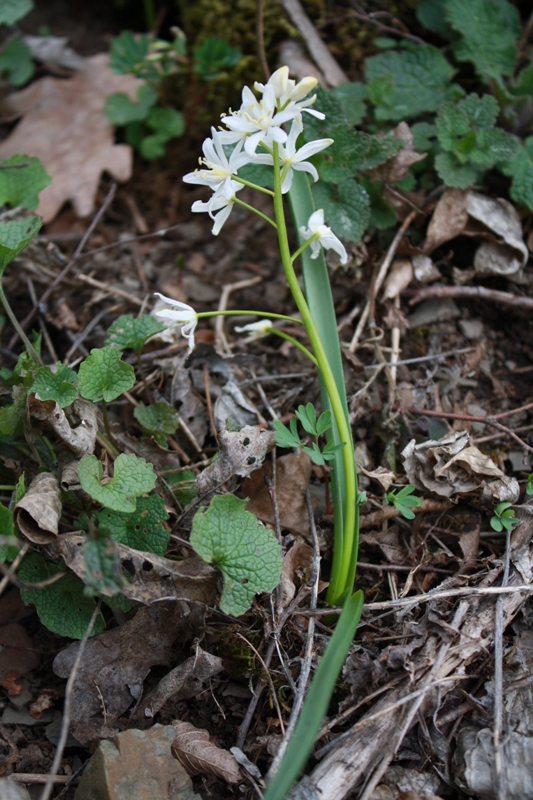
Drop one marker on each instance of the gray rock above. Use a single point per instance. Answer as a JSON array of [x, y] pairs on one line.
[[136, 765]]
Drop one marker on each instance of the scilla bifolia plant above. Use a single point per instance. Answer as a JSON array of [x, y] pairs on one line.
[[256, 135]]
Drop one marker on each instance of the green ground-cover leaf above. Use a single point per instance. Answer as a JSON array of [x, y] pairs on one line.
[[183, 484], [128, 52], [403, 84], [7, 528], [520, 169], [15, 235], [13, 10], [431, 14], [132, 477], [158, 420], [352, 97], [141, 529], [213, 56], [133, 332], [20, 185], [62, 606], [102, 564], [16, 60], [121, 109], [247, 553], [346, 209], [58, 385], [489, 31], [104, 376], [12, 415]]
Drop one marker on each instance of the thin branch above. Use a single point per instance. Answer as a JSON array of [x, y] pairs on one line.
[[474, 292]]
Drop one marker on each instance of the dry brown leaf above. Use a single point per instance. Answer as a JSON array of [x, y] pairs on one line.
[[297, 560], [185, 680], [64, 125], [151, 578], [448, 221], [500, 217], [116, 662], [293, 472], [397, 167], [37, 514], [199, 756], [398, 279], [240, 453]]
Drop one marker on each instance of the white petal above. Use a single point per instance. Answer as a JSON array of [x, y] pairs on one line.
[[316, 219], [221, 218], [304, 166], [312, 148]]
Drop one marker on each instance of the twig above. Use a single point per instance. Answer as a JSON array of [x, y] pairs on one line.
[[476, 292], [209, 402], [66, 707], [9, 572], [269, 680], [391, 512], [420, 359], [387, 261], [371, 20], [318, 50]]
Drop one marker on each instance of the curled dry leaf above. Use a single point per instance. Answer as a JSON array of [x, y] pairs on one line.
[[500, 217], [59, 112], [296, 564], [399, 278], [241, 452], [199, 756], [231, 403], [76, 441], [448, 221], [185, 680], [452, 466], [150, 578], [37, 514]]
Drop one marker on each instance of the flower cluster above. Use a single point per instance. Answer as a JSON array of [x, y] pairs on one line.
[[252, 132]]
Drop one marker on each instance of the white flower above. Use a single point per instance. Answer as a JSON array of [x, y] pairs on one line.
[[261, 328], [322, 235], [259, 121], [219, 169], [222, 201], [289, 94], [292, 159], [179, 314]]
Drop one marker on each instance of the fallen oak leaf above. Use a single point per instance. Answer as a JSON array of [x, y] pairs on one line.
[[65, 127], [199, 755]]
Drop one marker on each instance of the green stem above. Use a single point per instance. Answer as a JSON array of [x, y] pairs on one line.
[[252, 185], [342, 566], [255, 211], [247, 313], [303, 246], [14, 321], [296, 343]]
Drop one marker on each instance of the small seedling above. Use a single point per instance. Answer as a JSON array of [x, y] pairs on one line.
[[288, 437], [503, 518], [404, 500], [529, 485]]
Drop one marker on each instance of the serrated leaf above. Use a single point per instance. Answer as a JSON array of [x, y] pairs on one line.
[[103, 565], [430, 14], [17, 61], [346, 208], [12, 416], [132, 477], [62, 606], [158, 419], [493, 145], [213, 56], [133, 332], [20, 185], [406, 83], [13, 10], [457, 176], [247, 553], [520, 169], [58, 385], [104, 376], [120, 108], [351, 97], [15, 235], [141, 529], [489, 31]]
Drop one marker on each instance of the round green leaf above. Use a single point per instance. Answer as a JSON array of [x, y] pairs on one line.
[[104, 376]]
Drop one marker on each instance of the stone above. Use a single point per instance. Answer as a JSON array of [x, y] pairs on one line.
[[136, 765]]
